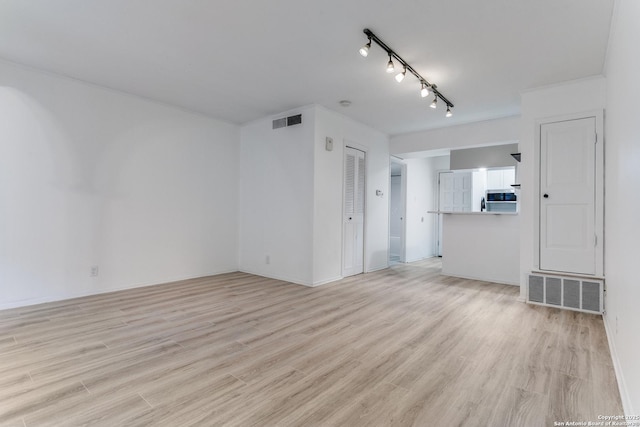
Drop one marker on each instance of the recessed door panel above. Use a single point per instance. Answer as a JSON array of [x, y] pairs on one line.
[[567, 227]]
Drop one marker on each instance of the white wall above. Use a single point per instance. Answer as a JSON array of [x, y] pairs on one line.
[[421, 198], [327, 189], [291, 196], [276, 198], [495, 156], [558, 100], [90, 176], [488, 132], [622, 200]]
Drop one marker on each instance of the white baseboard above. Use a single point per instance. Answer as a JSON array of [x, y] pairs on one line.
[[622, 387], [420, 258], [482, 279], [277, 277], [324, 282], [377, 268], [99, 291]]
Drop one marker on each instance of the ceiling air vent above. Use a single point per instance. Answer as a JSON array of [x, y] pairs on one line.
[[294, 120], [287, 121], [280, 123]]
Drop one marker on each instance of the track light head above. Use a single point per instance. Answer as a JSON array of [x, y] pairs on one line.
[[390, 66], [434, 103], [424, 92], [449, 113], [400, 76], [364, 50]]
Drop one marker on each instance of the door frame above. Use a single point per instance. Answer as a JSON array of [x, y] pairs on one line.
[[599, 184], [403, 202], [365, 150]]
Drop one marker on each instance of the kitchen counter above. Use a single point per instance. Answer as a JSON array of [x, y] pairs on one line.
[[482, 246], [472, 213]]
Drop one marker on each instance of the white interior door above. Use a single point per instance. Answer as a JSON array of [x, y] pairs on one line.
[[455, 191], [454, 195], [353, 212], [567, 196]]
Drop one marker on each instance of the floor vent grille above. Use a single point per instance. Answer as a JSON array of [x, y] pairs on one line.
[[571, 293]]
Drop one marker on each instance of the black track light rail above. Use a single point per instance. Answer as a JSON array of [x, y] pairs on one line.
[[408, 67]]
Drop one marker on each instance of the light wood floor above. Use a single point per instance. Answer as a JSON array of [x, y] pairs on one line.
[[403, 346]]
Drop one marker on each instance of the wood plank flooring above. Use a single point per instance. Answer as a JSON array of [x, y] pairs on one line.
[[399, 347]]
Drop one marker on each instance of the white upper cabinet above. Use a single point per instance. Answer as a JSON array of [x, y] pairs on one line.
[[500, 179]]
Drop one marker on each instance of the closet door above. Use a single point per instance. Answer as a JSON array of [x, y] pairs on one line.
[[568, 241], [353, 212]]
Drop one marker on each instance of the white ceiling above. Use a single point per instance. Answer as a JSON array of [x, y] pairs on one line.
[[242, 60]]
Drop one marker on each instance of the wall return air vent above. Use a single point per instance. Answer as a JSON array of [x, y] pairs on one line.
[[568, 292], [287, 121]]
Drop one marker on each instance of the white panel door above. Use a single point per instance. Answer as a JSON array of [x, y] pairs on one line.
[[455, 192], [567, 196], [454, 195], [353, 212]]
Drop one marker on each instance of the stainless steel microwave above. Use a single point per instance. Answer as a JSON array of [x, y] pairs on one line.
[[501, 196], [501, 201]]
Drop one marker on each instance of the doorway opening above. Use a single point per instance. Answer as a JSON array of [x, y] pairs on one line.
[[397, 211]]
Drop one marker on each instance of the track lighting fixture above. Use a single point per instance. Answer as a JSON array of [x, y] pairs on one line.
[[424, 92], [425, 86], [390, 67], [364, 50]]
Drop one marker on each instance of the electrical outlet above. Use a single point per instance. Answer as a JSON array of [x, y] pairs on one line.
[[267, 259], [94, 271]]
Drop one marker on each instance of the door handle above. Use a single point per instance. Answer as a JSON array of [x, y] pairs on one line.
[[546, 196]]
